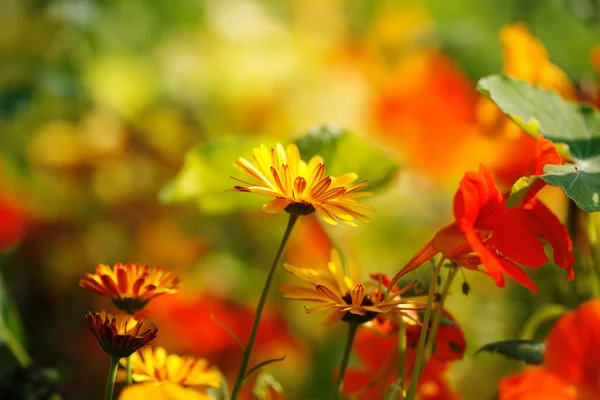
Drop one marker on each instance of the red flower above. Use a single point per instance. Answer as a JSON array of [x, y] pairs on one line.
[[12, 224], [486, 231], [377, 350], [572, 362]]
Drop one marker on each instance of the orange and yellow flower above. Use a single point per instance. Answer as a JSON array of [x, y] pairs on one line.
[[571, 368], [486, 231], [120, 335], [301, 188], [131, 286], [344, 296]]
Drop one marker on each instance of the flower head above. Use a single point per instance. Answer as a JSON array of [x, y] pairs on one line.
[[344, 295], [487, 232], [131, 286], [301, 188], [120, 335], [571, 369], [169, 376]]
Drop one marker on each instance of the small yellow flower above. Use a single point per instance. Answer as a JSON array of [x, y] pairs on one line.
[[301, 188], [345, 297], [526, 58], [131, 286], [120, 335], [169, 376]]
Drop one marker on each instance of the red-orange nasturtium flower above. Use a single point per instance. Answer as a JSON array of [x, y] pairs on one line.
[[376, 348], [571, 368], [487, 232], [301, 188], [131, 286], [163, 376]]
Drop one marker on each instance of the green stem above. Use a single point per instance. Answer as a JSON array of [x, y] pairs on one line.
[[439, 312], [546, 313], [129, 377], [112, 374], [352, 327], [412, 389], [259, 309], [396, 389]]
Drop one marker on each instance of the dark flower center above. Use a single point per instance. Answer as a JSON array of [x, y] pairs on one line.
[[300, 208], [355, 318]]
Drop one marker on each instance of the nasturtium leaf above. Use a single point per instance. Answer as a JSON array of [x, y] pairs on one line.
[[345, 152], [520, 189], [540, 111], [205, 176], [529, 351]]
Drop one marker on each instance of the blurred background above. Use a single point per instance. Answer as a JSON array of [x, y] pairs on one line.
[[103, 102]]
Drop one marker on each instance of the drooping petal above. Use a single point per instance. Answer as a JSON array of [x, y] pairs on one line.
[[489, 260], [276, 205], [513, 270]]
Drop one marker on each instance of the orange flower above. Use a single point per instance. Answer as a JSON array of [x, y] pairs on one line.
[[131, 286], [344, 295], [302, 188], [487, 232], [376, 348], [120, 335], [571, 368]]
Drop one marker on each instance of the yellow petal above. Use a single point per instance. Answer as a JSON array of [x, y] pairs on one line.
[[276, 205], [166, 391]]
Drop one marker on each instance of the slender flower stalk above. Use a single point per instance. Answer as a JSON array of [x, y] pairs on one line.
[[396, 390], [128, 374], [439, 312], [412, 390], [112, 375], [352, 327], [259, 309]]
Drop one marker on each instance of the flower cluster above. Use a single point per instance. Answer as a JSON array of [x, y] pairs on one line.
[[131, 287]]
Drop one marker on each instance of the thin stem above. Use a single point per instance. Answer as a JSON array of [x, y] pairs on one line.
[[439, 311], [352, 327], [412, 389], [259, 309], [396, 389], [112, 374], [129, 378], [544, 314]]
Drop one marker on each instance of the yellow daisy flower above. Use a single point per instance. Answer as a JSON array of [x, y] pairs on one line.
[[344, 295], [131, 286], [301, 188], [169, 376], [120, 335]]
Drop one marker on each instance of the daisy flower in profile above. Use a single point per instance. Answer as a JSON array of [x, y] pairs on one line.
[[169, 376], [344, 296], [301, 188], [131, 286], [120, 335]]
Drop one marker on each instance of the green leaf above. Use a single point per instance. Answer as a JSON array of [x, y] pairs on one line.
[[520, 189], [205, 176], [529, 351], [345, 152], [12, 353], [540, 111]]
